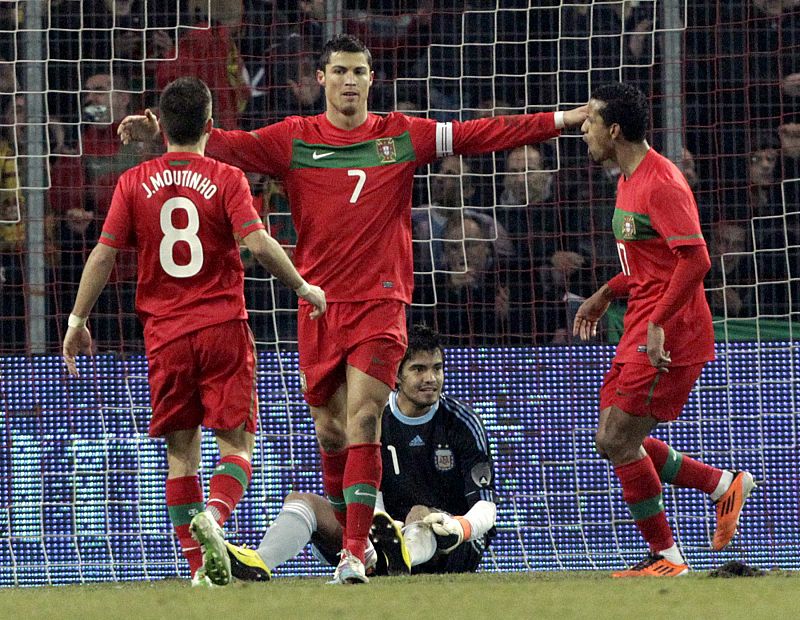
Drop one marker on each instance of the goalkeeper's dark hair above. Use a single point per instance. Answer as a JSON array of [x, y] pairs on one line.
[[421, 339], [184, 107], [627, 106], [343, 43]]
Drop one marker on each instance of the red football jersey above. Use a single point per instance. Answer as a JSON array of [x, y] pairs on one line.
[[183, 213], [350, 191], [655, 213]]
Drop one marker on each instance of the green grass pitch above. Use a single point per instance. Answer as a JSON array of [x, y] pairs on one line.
[[488, 596]]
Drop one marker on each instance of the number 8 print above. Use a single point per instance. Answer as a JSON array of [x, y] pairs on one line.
[[172, 235]]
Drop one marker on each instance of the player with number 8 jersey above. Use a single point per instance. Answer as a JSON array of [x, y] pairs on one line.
[[182, 211], [184, 214]]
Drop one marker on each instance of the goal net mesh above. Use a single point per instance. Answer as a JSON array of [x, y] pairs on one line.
[[505, 248]]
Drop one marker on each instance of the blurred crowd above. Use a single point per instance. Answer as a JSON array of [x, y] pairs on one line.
[[506, 245]]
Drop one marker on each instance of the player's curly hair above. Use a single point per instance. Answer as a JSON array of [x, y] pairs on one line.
[[627, 106], [421, 338], [343, 43], [184, 107]]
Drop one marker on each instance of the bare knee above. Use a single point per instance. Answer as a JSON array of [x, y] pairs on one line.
[[364, 425], [599, 444], [417, 513], [330, 429], [616, 447]]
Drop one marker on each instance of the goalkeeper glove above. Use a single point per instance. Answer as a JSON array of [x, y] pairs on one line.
[[449, 531]]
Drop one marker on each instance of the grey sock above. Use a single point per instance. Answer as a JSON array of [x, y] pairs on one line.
[[288, 534]]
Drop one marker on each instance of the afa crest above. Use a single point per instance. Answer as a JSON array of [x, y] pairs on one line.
[[386, 150], [444, 459], [628, 227]]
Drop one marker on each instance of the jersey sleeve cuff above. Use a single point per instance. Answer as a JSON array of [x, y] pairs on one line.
[[684, 240], [251, 226], [111, 240]]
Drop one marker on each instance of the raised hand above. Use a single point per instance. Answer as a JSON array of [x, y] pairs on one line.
[[576, 116], [138, 127]]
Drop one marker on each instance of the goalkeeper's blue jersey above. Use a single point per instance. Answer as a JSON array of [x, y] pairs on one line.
[[441, 459]]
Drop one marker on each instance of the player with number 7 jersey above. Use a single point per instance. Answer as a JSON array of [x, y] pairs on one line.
[[349, 176]]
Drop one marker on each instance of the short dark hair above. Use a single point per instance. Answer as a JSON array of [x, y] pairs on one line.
[[185, 106], [343, 43], [627, 106], [421, 338]]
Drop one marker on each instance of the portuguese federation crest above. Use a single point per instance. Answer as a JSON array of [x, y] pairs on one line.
[[386, 150], [628, 227]]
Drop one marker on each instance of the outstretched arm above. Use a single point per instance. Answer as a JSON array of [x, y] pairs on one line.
[[244, 149], [487, 135], [93, 281], [272, 257]]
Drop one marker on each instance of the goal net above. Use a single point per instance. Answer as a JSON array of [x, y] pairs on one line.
[[505, 248]]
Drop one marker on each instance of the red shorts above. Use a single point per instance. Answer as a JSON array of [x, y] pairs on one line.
[[208, 378], [640, 390], [368, 335]]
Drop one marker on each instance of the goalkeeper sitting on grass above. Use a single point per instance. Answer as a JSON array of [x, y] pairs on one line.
[[436, 467]]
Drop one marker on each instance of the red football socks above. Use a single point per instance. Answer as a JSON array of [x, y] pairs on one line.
[[362, 478], [184, 500], [333, 464], [679, 469], [227, 486], [641, 490]]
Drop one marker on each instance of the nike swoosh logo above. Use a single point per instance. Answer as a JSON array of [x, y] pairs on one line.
[[316, 155], [362, 494]]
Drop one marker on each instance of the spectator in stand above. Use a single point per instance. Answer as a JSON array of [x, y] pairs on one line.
[[730, 283], [473, 301], [211, 54], [278, 42], [775, 233], [547, 240], [297, 91], [774, 58], [789, 134], [621, 34], [491, 107], [397, 34], [452, 188], [80, 195]]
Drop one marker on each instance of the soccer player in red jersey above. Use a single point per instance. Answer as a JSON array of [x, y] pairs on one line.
[[349, 177], [183, 213], [668, 336]]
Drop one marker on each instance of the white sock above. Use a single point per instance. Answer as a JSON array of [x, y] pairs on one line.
[[673, 555], [369, 553], [214, 512], [723, 484], [420, 542], [288, 534]]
